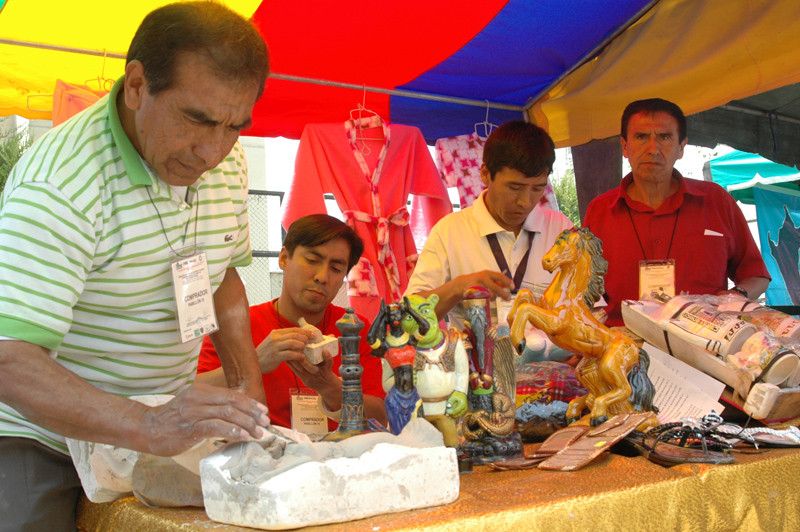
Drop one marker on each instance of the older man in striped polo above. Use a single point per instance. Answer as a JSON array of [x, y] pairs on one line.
[[120, 232]]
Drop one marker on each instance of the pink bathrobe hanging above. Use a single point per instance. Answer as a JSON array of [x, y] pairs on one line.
[[371, 181]]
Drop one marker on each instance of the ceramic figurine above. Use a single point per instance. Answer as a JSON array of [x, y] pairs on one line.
[[488, 426], [396, 347], [613, 368], [441, 368], [481, 333]]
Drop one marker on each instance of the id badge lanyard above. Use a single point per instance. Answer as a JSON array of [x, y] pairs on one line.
[[191, 283], [503, 307], [519, 274], [656, 277]]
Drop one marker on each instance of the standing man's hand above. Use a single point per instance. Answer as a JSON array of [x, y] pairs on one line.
[[451, 293], [751, 288], [201, 411], [76, 409]]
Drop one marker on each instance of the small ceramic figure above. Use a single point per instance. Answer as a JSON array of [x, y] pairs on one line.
[[353, 421], [441, 368], [481, 333], [613, 368], [396, 347], [488, 427]]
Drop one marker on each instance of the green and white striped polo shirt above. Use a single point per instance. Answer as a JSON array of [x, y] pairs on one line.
[[85, 257]]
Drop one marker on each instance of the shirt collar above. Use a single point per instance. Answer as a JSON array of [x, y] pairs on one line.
[[137, 173], [685, 187], [487, 225]]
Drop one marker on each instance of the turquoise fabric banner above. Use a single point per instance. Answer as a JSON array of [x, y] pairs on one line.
[[778, 213], [739, 172]]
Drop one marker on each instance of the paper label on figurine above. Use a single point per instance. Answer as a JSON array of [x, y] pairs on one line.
[[503, 308], [537, 288], [307, 415], [193, 297], [656, 278]]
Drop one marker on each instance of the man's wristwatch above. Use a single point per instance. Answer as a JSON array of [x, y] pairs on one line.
[[741, 291]]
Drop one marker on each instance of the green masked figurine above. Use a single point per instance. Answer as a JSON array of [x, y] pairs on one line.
[[441, 369]]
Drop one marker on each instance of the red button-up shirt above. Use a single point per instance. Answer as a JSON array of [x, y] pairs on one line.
[[700, 226]]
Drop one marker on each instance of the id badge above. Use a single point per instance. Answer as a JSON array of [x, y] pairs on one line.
[[306, 414], [656, 278], [193, 296]]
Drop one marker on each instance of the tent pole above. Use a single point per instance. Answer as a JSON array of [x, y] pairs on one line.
[[400, 92], [286, 77], [758, 112], [57, 48]]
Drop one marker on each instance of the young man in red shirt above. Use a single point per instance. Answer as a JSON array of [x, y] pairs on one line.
[[317, 253]]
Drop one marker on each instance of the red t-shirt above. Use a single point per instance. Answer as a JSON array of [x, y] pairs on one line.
[[263, 319], [700, 226]]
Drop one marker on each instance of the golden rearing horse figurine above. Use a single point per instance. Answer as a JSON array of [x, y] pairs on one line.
[[612, 366]]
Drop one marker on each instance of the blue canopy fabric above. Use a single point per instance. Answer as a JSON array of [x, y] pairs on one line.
[[515, 57]]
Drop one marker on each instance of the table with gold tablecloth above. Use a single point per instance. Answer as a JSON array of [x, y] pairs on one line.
[[758, 492]]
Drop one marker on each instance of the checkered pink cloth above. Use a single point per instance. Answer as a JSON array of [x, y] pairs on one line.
[[459, 162]]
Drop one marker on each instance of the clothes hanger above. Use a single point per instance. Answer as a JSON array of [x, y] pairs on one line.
[[103, 84], [46, 99], [361, 116], [487, 127]]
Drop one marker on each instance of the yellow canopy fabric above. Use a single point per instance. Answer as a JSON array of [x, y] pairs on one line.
[[697, 54], [28, 76]]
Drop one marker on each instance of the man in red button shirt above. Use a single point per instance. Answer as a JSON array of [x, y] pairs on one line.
[[662, 231]]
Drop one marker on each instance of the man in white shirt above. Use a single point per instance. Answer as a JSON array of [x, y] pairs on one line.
[[497, 242]]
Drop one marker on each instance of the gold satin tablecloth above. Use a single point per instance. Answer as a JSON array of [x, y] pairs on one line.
[[758, 492]]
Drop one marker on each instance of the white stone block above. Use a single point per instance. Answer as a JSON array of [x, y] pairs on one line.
[[106, 471], [349, 482], [313, 351], [318, 343]]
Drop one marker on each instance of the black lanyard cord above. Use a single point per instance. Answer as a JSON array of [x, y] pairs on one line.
[[185, 231], [503, 264], [639, 240]]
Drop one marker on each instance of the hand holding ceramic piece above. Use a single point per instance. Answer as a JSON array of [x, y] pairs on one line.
[[318, 343]]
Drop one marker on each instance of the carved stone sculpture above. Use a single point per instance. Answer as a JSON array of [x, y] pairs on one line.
[[488, 426], [352, 421]]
